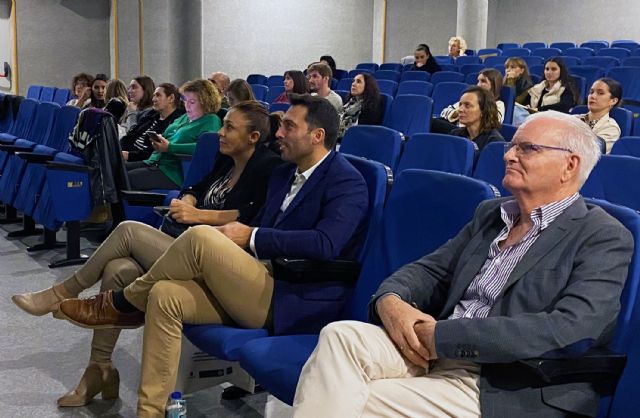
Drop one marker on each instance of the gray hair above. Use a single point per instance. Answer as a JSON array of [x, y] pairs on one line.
[[575, 135]]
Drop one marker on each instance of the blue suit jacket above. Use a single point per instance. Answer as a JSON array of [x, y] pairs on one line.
[[325, 221]]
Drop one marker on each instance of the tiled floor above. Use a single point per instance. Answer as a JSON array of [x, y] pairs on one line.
[[42, 358]]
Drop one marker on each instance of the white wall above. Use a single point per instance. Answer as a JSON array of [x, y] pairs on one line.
[[567, 20], [412, 22], [271, 36]]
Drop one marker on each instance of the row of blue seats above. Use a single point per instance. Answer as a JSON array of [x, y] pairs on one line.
[[49, 94], [593, 44]]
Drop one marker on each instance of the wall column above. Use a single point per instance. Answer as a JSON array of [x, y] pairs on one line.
[[472, 22]]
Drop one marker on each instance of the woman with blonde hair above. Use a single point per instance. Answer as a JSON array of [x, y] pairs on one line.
[[457, 46], [517, 76]]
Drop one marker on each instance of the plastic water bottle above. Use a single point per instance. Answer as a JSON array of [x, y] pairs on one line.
[[177, 406]]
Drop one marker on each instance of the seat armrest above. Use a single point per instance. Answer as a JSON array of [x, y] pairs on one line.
[[32, 157], [594, 365], [14, 148], [184, 157], [308, 271], [142, 198], [53, 165]]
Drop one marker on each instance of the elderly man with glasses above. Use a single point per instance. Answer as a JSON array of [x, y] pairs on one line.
[[536, 275]]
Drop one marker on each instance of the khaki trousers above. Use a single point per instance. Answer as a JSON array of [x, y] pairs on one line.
[[356, 371], [129, 251], [202, 278]]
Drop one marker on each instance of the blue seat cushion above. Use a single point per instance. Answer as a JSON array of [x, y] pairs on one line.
[[221, 341], [7, 138], [276, 362]]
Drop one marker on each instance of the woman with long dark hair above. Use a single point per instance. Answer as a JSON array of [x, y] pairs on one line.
[[556, 92], [604, 95], [294, 82], [364, 105]]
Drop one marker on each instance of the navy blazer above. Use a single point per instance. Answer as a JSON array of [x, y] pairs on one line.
[[326, 220]]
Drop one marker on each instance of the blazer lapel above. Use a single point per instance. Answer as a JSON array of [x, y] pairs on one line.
[[308, 185]]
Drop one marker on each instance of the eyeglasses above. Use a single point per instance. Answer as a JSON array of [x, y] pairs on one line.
[[528, 148]]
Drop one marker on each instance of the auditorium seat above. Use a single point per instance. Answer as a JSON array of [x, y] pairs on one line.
[[465, 59], [507, 45], [421, 88], [448, 67], [631, 62], [623, 117], [439, 152], [273, 93], [392, 66], [615, 52], [387, 75], [492, 61], [626, 44], [581, 52], [420, 200], [590, 73], [345, 84], [508, 97], [355, 72], [485, 52], [570, 61], [614, 178], [22, 124], [410, 114], [33, 92], [562, 45], [490, 166], [377, 143], [629, 77], [516, 52], [445, 94], [534, 45], [340, 74], [444, 59], [279, 107], [388, 87], [257, 79], [47, 94], [595, 45], [546, 52], [602, 62], [415, 75], [507, 131], [533, 60], [62, 96], [471, 68], [260, 92], [446, 76], [370, 66], [627, 145], [275, 81]]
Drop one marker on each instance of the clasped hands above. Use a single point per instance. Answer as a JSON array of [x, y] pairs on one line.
[[412, 330]]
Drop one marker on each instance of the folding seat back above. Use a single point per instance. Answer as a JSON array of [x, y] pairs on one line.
[[274, 92], [533, 60], [388, 87], [614, 179], [275, 80], [345, 84], [571, 61], [22, 123], [415, 75], [64, 124], [387, 75], [490, 166], [448, 153], [356, 71], [62, 96], [420, 201], [408, 65], [507, 131], [625, 44], [445, 94], [257, 79], [376, 143], [340, 74], [627, 145], [487, 52], [562, 45], [516, 52], [47, 94], [629, 77], [9, 107], [595, 45], [33, 92], [546, 52], [471, 78], [631, 62], [622, 116], [590, 73], [507, 45], [410, 114], [45, 116], [602, 62], [279, 107], [444, 59], [421, 88], [508, 97], [447, 76], [464, 59], [449, 67], [580, 84], [387, 102], [203, 158], [537, 70], [260, 91], [534, 45], [370, 66], [620, 53], [392, 66], [492, 61], [581, 52], [471, 68]]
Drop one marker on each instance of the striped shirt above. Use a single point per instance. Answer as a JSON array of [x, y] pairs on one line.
[[487, 286]]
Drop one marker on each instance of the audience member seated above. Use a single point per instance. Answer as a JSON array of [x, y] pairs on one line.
[[315, 209], [328, 59], [479, 115], [457, 46], [364, 106], [605, 94], [319, 76], [96, 98], [294, 82], [556, 92], [234, 190], [136, 145], [140, 91], [517, 76], [81, 89], [116, 98], [424, 61], [536, 275], [239, 91], [163, 170], [490, 80], [221, 81]]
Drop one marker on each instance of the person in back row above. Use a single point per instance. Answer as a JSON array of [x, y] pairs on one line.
[[424, 61], [457, 46], [319, 76], [221, 81], [604, 95], [81, 90], [517, 76], [315, 209], [163, 170], [556, 92], [294, 82], [364, 106], [536, 275], [136, 145], [234, 190], [93, 97], [140, 92], [239, 91]]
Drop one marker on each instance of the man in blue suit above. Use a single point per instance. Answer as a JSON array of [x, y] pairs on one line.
[[315, 209]]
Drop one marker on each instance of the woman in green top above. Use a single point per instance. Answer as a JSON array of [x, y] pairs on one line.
[[163, 169]]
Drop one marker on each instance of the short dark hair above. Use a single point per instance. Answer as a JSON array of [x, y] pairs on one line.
[[489, 118], [320, 114], [330, 62], [148, 87], [615, 89]]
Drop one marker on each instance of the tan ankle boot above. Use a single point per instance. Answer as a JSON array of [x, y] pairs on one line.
[[97, 377], [42, 302]]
